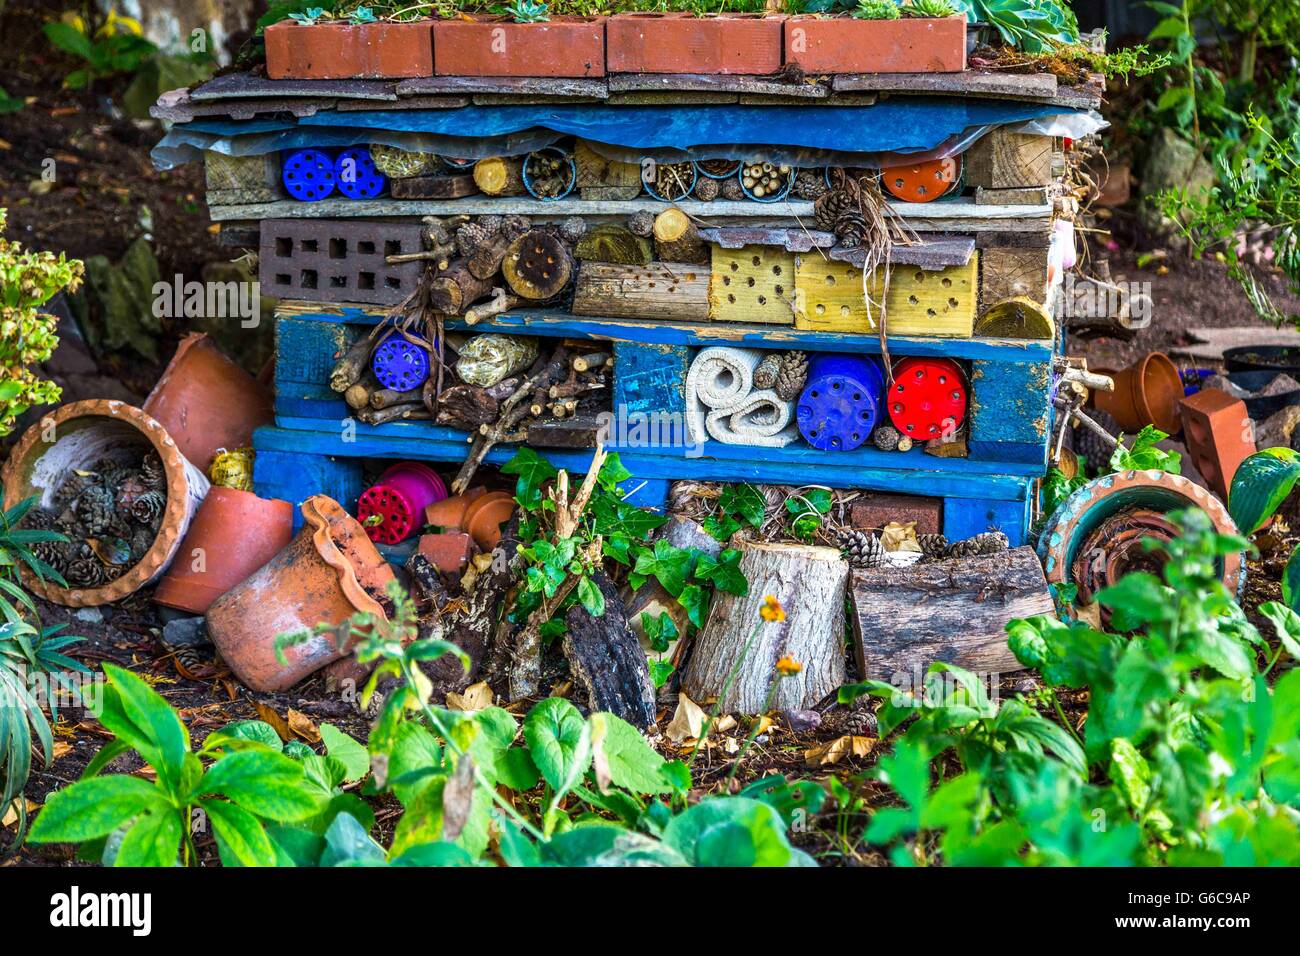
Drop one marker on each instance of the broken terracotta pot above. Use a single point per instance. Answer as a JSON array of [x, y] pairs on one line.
[[1094, 537], [207, 402], [83, 432], [1146, 393], [233, 534], [328, 573], [484, 518], [449, 514]]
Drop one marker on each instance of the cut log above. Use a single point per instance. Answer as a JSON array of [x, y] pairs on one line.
[[352, 365], [455, 289], [358, 396], [610, 242], [499, 304], [956, 611], [387, 397], [601, 178], [606, 660], [809, 582], [485, 261], [1002, 159], [467, 407], [677, 239], [538, 265], [669, 291], [500, 175]]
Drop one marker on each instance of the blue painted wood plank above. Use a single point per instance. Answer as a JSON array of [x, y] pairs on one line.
[[295, 477], [650, 378], [1010, 405], [554, 324], [935, 477], [966, 517], [307, 351]]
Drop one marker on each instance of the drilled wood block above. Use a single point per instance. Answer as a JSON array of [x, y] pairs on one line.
[[829, 298], [752, 284], [650, 378], [1004, 160], [329, 260], [237, 180], [1010, 411], [1006, 271], [305, 352]]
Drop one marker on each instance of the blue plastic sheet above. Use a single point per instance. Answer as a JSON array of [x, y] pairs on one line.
[[903, 125]]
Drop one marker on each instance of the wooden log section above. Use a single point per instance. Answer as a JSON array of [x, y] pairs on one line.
[[537, 266], [1006, 160], [500, 175], [606, 660], [601, 178], [809, 582], [677, 239], [956, 611], [669, 291], [455, 288], [610, 242]]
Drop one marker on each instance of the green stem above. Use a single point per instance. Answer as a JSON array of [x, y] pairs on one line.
[[753, 729], [1060, 715]]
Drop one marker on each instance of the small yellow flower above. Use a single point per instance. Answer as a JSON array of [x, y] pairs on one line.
[[788, 666], [772, 609]]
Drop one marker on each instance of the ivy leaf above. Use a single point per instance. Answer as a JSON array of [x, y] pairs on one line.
[[696, 601], [612, 472], [721, 527], [591, 597], [669, 564], [723, 572], [660, 631], [660, 671], [817, 499], [533, 471], [746, 501]]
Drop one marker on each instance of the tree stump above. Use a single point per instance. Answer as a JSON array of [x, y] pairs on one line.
[[809, 582]]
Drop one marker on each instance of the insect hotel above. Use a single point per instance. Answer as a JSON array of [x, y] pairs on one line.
[[736, 250]]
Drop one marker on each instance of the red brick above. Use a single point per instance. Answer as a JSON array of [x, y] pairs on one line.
[[1218, 435], [449, 552], [872, 511]]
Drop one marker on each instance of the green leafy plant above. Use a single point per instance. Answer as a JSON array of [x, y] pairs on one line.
[[1179, 718], [529, 11], [876, 10], [1143, 455], [1260, 486], [115, 49], [9, 104], [1035, 26], [806, 508], [310, 16], [28, 280], [929, 8], [362, 15]]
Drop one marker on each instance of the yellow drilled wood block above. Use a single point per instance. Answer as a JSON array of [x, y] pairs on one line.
[[828, 298], [752, 284]]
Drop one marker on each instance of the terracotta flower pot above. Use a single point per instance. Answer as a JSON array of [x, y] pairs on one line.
[[449, 513], [207, 402], [328, 573], [848, 45], [496, 46], [682, 43], [484, 518], [345, 51], [1146, 393], [84, 432], [233, 534]]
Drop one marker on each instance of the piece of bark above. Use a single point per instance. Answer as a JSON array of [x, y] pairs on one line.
[[607, 661], [677, 239], [610, 242], [432, 187], [538, 265], [455, 289], [355, 361], [387, 397], [809, 583], [668, 291], [393, 413], [500, 175], [956, 611], [467, 407], [570, 433], [427, 589]]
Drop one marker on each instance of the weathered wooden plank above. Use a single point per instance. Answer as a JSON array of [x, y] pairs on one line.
[[1033, 87], [409, 103], [240, 85], [554, 324], [306, 351], [905, 619], [517, 85], [1010, 411], [1015, 196], [1001, 159], [177, 106], [672, 98], [714, 83], [433, 187], [1007, 271], [931, 254], [650, 378], [675, 290], [294, 477]]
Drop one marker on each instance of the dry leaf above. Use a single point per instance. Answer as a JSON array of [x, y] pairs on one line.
[[272, 717], [900, 537], [687, 722], [11, 812], [1089, 614], [765, 724], [476, 697], [458, 798], [725, 722], [836, 750], [61, 749], [304, 726], [730, 745]]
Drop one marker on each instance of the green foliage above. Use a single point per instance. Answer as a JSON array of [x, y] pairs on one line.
[[9, 104], [529, 11], [1179, 719], [109, 52], [1143, 455], [27, 281], [806, 508], [929, 8], [1035, 26], [1260, 486], [877, 10]]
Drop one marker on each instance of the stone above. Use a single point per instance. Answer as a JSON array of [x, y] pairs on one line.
[[186, 632]]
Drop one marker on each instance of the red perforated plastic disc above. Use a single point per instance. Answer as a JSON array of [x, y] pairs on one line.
[[393, 507], [928, 399], [922, 182]]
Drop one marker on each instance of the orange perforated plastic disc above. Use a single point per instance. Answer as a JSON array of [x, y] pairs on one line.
[[923, 182]]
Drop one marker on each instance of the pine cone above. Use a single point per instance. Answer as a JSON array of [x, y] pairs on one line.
[[71, 489], [850, 228], [767, 371], [86, 573], [490, 224], [793, 375], [830, 206], [862, 549], [470, 238], [148, 508], [885, 437], [706, 189], [641, 224], [131, 489], [731, 190], [933, 546], [96, 510], [112, 473], [573, 229], [810, 184], [1090, 446], [152, 472], [514, 226], [989, 542], [861, 721]]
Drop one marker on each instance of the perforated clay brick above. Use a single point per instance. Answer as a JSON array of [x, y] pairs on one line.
[[328, 260]]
